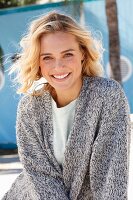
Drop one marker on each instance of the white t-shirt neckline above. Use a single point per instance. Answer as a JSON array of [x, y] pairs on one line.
[[63, 118]]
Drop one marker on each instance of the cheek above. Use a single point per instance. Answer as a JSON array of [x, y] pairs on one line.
[[77, 65], [43, 69], [46, 66], [73, 62]]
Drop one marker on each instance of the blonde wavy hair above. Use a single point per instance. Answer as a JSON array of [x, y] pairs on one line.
[[27, 64]]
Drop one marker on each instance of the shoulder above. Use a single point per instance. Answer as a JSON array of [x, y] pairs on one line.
[[102, 82], [29, 103], [103, 86], [109, 90], [26, 101]]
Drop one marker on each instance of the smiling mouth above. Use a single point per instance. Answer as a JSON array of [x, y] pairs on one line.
[[61, 77]]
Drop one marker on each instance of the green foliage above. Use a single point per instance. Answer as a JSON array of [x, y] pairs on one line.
[[8, 3], [26, 2], [15, 3]]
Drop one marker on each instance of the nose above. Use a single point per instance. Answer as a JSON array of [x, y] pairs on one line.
[[59, 63]]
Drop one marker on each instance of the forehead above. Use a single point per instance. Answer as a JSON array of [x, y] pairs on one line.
[[58, 40]]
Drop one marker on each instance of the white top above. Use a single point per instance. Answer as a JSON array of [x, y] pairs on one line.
[[62, 123]]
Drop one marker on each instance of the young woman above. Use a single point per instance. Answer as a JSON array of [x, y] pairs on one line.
[[73, 133]]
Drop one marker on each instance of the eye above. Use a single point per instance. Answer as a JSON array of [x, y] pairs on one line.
[[67, 55], [46, 58]]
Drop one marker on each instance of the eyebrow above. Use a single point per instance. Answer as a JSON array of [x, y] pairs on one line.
[[47, 54]]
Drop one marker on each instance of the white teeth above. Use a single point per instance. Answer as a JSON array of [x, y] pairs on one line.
[[60, 76]]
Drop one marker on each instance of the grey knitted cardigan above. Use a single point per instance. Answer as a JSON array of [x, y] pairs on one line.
[[96, 156]]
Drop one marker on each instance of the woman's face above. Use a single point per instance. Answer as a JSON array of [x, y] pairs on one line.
[[60, 61]]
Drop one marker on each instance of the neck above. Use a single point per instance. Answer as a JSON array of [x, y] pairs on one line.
[[63, 98]]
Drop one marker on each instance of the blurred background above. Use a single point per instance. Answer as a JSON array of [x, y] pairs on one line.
[[110, 20]]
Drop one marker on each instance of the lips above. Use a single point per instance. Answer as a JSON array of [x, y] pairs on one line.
[[60, 77]]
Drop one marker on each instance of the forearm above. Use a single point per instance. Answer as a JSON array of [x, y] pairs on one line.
[[46, 187], [109, 171]]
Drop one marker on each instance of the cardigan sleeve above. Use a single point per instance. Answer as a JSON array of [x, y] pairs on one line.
[[40, 176], [109, 164]]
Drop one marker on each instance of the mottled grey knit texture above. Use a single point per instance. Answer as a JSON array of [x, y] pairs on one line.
[[97, 152]]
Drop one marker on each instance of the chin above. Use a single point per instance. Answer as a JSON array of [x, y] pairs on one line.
[[62, 87]]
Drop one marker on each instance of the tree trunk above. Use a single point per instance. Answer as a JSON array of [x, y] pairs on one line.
[[114, 44], [1, 59]]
